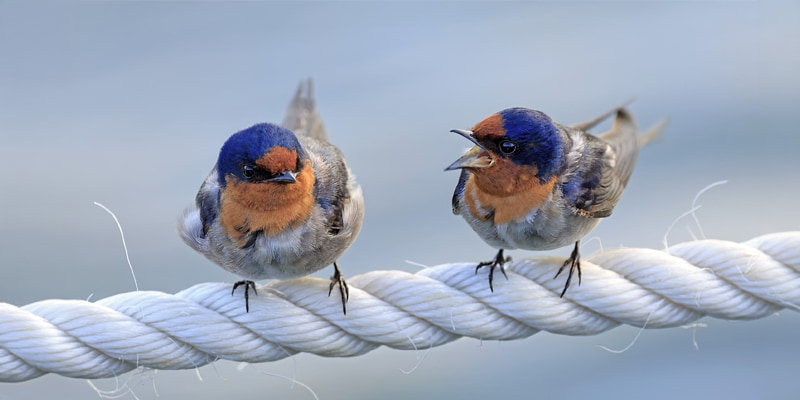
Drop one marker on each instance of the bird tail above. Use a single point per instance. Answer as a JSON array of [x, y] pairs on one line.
[[654, 133], [623, 138], [626, 140], [586, 125], [301, 115]]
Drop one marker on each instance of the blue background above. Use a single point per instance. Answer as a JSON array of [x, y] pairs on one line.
[[128, 103]]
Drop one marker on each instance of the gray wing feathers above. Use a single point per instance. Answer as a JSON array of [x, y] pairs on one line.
[[618, 160], [301, 115], [332, 179], [194, 224], [458, 194], [207, 201]]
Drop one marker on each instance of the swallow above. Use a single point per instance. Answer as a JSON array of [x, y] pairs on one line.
[[280, 203], [531, 183]]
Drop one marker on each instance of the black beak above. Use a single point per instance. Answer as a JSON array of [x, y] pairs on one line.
[[469, 136], [284, 177], [473, 157]]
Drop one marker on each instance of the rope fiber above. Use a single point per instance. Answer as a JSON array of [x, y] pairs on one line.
[[639, 287]]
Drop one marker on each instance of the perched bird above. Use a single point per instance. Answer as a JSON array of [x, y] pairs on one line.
[[278, 204], [531, 183]]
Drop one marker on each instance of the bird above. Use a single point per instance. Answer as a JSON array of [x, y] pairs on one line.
[[280, 202], [531, 183]]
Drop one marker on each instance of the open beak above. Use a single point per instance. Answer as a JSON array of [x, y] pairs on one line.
[[284, 177], [476, 157]]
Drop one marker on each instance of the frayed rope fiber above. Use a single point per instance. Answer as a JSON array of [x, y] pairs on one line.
[[204, 323]]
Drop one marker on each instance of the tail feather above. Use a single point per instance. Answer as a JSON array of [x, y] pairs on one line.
[[301, 115], [623, 139], [586, 125], [653, 133]]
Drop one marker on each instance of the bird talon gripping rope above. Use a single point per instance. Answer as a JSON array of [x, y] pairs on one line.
[[437, 305]]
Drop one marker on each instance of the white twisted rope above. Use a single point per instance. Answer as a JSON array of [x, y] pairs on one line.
[[391, 308]]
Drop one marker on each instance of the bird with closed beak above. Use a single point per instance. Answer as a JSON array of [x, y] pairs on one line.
[[280, 203]]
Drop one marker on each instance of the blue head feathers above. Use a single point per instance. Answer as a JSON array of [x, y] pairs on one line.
[[248, 146], [539, 141]]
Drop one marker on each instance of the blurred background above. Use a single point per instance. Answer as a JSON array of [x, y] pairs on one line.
[[128, 103]]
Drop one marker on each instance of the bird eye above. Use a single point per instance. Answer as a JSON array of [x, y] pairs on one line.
[[507, 147], [248, 171]]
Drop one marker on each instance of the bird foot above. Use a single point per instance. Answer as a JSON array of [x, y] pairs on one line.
[[499, 261], [338, 279], [247, 285], [574, 261]]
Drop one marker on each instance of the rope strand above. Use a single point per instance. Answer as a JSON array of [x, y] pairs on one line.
[[204, 323]]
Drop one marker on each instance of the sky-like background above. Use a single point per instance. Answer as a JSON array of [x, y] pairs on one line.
[[127, 104]]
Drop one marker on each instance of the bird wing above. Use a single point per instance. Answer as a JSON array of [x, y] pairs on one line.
[[207, 200], [607, 167], [301, 115], [458, 194], [331, 180]]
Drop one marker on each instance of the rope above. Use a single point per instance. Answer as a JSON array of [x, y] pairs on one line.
[[204, 323]]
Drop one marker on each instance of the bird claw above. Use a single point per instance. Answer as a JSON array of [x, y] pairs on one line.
[[499, 261], [338, 279], [574, 261], [247, 286]]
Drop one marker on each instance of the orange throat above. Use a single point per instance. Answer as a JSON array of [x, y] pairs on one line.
[[505, 192], [246, 208]]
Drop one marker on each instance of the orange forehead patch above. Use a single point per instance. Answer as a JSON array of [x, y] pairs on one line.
[[491, 127], [278, 159]]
